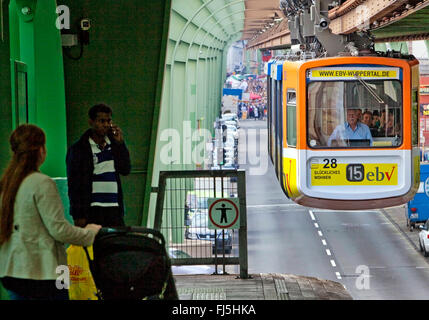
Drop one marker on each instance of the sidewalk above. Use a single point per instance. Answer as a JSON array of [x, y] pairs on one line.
[[263, 286], [396, 216]]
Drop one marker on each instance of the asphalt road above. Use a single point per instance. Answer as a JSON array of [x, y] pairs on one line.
[[360, 249]]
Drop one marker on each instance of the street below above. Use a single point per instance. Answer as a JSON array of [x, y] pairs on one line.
[[360, 249]]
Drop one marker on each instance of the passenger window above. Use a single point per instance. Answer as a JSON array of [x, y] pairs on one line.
[[361, 113], [291, 117]]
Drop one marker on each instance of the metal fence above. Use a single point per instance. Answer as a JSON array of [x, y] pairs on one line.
[[182, 216]]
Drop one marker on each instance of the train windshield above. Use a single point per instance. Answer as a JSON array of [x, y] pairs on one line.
[[355, 113]]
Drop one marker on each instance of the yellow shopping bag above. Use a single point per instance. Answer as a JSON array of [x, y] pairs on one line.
[[82, 286]]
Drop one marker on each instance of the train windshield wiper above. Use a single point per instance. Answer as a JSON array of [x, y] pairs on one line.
[[370, 90]]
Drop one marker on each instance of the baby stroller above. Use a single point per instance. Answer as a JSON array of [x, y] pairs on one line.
[[131, 263]]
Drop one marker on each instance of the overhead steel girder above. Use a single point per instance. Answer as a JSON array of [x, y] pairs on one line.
[[362, 16]]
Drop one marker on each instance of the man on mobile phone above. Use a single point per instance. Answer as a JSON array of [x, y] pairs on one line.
[[94, 164]]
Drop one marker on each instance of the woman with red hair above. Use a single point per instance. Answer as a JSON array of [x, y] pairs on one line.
[[33, 228]]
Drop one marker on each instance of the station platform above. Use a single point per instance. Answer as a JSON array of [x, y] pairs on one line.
[[263, 286]]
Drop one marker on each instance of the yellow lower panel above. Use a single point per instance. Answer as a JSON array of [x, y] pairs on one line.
[[290, 181]]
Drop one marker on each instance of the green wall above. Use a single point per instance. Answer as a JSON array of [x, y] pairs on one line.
[[5, 101], [5, 91], [119, 67], [36, 42]]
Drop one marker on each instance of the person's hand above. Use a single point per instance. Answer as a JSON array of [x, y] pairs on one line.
[[93, 227], [117, 133], [81, 222]]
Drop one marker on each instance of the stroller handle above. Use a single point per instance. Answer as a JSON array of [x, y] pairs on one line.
[[129, 229]]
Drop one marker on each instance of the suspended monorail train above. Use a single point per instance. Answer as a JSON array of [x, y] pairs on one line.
[[325, 151]]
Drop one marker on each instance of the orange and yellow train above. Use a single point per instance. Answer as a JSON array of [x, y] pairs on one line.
[[343, 131]]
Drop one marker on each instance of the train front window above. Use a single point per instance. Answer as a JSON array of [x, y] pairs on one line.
[[354, 114]]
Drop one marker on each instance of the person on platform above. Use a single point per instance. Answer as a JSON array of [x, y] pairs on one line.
[[94, 164], [33, 228]]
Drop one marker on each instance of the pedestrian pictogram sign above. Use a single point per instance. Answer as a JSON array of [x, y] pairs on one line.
[[223, 213]]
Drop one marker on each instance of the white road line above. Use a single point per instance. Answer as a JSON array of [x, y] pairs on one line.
[[328, 252], [273, 205]]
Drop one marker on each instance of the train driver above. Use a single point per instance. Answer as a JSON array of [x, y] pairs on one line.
[[352, 129]]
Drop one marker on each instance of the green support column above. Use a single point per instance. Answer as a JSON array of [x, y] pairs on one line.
[[36, 52]]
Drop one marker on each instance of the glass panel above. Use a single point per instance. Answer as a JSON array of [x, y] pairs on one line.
[[354, 114], [291, 118], [415, 115]]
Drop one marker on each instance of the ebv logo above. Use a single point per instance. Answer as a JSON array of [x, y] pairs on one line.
[[356, 173]]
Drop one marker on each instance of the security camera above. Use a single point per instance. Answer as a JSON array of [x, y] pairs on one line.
[[323, 24], [85, 24]]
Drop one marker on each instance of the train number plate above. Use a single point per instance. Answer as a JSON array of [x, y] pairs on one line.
[[332, 173]]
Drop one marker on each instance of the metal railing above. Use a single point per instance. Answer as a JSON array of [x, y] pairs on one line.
[[182, 216]]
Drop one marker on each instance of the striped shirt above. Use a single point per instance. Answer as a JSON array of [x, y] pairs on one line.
[[104, 184]]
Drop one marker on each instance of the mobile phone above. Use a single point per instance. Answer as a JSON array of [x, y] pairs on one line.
[[113, 131]]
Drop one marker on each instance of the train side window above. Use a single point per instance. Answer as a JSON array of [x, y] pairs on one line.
[[291, 117], [415, 115]]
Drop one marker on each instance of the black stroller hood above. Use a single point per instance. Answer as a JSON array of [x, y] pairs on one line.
[[131, 263]]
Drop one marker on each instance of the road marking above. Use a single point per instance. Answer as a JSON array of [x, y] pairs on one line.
[[273, 205], [328, 252]]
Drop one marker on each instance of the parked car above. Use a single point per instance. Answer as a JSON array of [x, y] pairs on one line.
[[424, 238], [199, 230], [175, 253], [229, 116], [218, 244]]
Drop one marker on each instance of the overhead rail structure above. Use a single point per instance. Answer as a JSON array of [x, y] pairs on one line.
[[387, 20]]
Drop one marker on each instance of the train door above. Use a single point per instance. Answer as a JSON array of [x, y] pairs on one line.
[[279, 129], [276, 132], [273, 119], [269, 108]]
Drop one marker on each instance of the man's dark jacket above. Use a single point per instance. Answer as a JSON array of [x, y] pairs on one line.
[[80, 168]]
